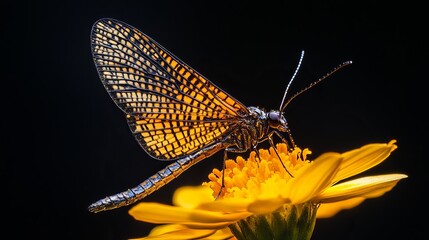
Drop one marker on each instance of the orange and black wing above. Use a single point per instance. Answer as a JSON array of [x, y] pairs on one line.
[[172, 110]]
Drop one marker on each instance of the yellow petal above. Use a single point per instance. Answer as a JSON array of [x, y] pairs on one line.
[[229, 205], [263, 206], [313, 179], [327, 210], [364, 158], [191, 197], [161, 213], [214, 226], [221, 234], [162, 229], [367, 187], [177, 232]]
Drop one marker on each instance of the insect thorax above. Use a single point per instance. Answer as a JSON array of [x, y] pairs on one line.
[[259, 121]]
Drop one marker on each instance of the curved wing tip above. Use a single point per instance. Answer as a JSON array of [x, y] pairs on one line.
[[105, 20]]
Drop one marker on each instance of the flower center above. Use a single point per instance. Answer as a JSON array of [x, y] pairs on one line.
[[258, 178]]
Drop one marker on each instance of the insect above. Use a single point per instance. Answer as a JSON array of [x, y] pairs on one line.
[[174, 112]]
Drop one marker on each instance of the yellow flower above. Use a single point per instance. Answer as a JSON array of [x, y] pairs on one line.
[[260, 200]]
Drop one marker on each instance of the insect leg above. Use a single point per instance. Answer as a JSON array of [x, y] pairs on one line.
[[286, 141], [270, 139], [257, 153], [225, 157], [290, 138]]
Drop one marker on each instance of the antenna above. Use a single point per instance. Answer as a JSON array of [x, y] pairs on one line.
[[290, 81], [315, 82]]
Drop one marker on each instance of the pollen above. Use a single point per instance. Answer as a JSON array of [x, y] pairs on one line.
[[258, 177]]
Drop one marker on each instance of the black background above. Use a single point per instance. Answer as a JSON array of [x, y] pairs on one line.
[[68, 145]]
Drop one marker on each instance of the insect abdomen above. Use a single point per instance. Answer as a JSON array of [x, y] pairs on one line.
[[154, 182]]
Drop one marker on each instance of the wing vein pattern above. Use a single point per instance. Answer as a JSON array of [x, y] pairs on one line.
[[172, 110]]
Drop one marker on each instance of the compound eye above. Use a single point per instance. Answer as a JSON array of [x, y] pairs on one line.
[[274, 118]]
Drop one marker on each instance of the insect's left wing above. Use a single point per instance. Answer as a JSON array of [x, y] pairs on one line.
[[172, 110]]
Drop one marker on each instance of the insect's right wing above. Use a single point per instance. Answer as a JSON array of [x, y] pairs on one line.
[[171, 109]]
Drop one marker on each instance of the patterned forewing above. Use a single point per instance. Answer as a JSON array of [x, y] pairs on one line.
[[171, 109]]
